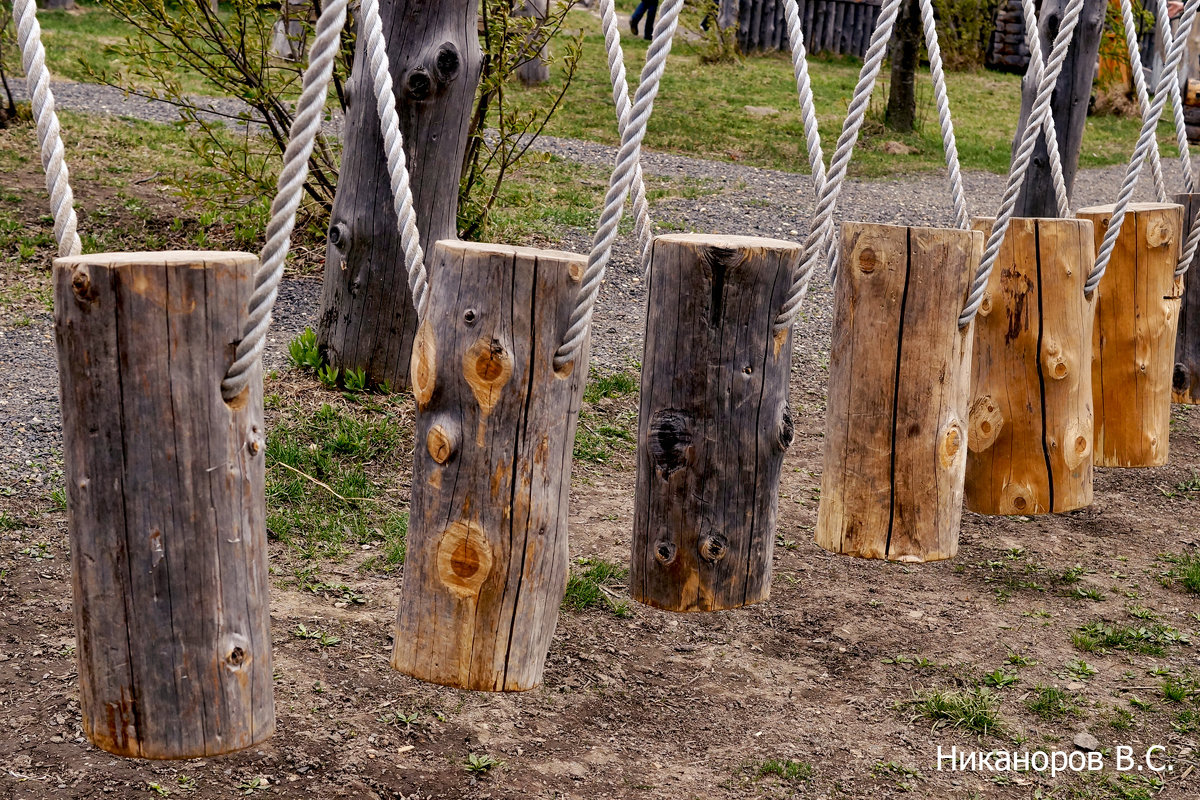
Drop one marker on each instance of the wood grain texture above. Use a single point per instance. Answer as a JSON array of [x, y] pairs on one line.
[[1133, 345], [1185, 382], [896, 420], [487, 538], [714, 422], [165, 503], [367, 318], [1030, 426]]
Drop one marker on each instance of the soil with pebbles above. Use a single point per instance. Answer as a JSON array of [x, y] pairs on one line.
[[656, 705]]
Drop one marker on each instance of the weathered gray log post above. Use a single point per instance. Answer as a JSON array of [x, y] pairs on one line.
[[536, 70], [487, 538], [367, 319], [165, 503], [714, 422], [1185, 386]]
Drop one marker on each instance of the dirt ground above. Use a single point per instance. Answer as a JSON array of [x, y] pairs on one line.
[[809, 695]]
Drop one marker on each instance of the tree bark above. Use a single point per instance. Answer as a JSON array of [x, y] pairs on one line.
[[1133, 348], [1072, 94], [901, 114], [1186, 381], [165, 504], [487, 547], [536, 70], [367, 320], [714, 422], [1030, 430], [899, 384]]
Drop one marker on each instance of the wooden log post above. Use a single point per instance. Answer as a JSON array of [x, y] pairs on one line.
[[487, 539], [899, 384], [1029, 435], [1185, 383], [165, 503], [714, 422], [1133, 348]]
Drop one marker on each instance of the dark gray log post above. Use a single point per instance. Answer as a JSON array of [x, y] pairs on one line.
[[164, 503], [367, 319], [714, 422], [1072, 94]]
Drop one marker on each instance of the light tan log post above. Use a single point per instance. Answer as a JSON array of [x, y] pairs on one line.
[[714, 422], [1029, 436], [1185, 383], [899, 381], [487, 547], [1133, 350], [165, 503]]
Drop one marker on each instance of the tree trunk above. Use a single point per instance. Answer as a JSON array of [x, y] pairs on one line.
[[165, 505], [899, 384], [1030, 431], [714, 422], [1186, 381], [1133, 349], [1070, 102], [487, 538], [367, 319], [901, 115], [536, 70]]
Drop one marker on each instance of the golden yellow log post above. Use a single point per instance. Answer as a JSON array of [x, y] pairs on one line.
[[899, 384], [714, 422], [1029, 435], [487, 539], [164, 503], [1133, 347]]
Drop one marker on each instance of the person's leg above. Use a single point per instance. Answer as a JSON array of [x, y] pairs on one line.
[[651, 13], [638, 13]]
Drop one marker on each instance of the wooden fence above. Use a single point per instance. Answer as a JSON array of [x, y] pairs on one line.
[[830, 26]]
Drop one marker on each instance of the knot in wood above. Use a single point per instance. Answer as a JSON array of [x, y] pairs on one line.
[[81, 284], [670, 441], [664, 552], [470, 316], [713, 548], [419, 84], [447, 62], [464, 559], [868, 260], [1180, 379], [487, 366], [440, 443], [1159, 233], [339, 236], [787, 429], [236, 657]]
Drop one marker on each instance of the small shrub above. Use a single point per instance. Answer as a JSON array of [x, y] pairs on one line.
[[964, 31], [303, 351], [481, 764]]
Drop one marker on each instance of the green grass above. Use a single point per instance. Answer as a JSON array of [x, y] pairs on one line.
[[701, 111], [592, 587], [974, 710], [1052, 703], [606, 430], [784, 769], [1099, 637], [321, 498], [1184, 572]]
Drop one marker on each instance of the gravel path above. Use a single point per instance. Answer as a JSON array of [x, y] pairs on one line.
[[738, 200]]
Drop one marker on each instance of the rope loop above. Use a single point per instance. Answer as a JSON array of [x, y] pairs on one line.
[[1034, 126], [58, 178], [627, 160]]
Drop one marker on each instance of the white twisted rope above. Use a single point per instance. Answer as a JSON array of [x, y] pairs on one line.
[[1163, 24], [618, 187], [1139, 88], [808, 109], [1033, 43], [1146, 140], [393, 146], [616, 72], [962, 218], [1034, 126], [58, 179], [1192, 240], [822, 222], [310, 111]]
